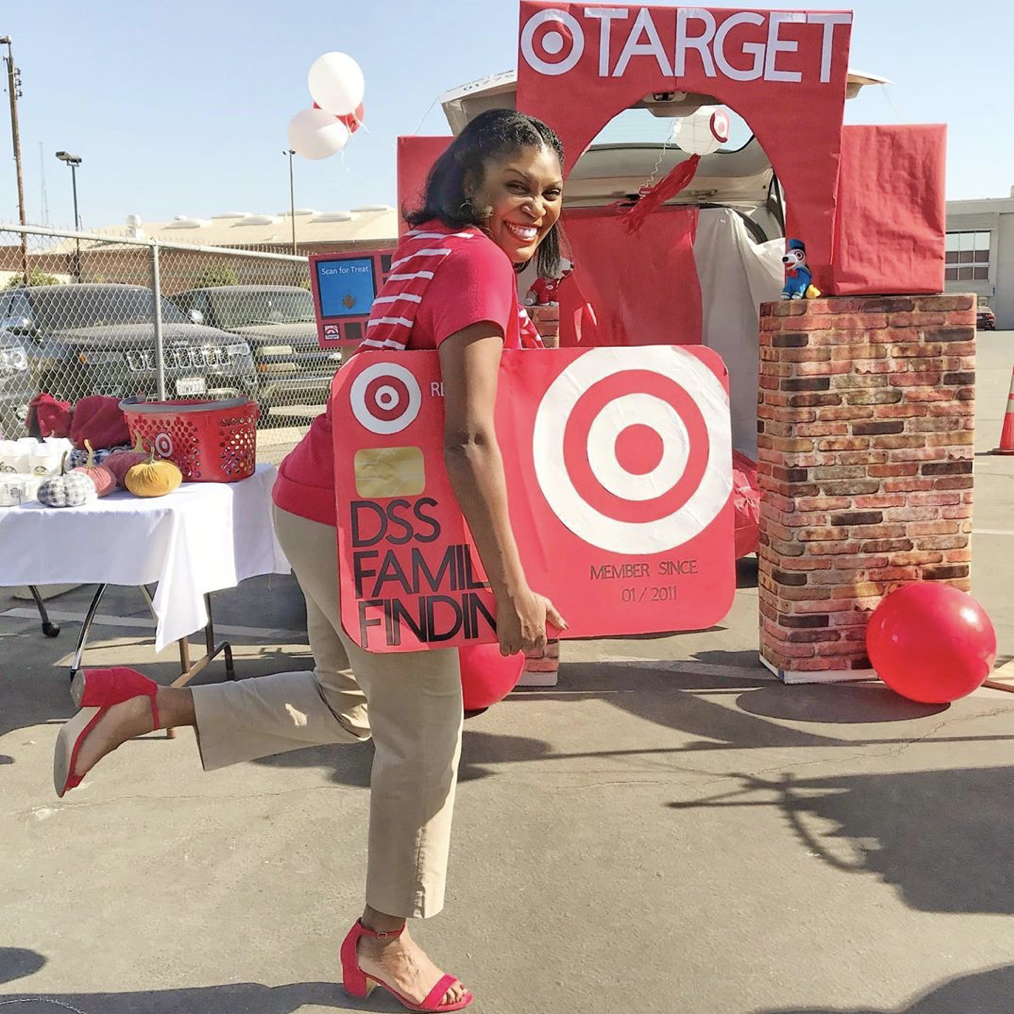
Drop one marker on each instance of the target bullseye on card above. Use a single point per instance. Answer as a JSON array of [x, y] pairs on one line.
[[619, 476]]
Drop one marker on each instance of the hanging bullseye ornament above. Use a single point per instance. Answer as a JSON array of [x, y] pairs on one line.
[[701, 133]]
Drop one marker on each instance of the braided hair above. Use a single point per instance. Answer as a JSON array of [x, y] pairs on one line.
[[494, 134]]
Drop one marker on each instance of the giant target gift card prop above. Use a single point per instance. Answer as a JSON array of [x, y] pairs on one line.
[[619, 476]]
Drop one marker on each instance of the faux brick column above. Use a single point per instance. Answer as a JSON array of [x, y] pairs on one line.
[[542, 668], [865, 440]]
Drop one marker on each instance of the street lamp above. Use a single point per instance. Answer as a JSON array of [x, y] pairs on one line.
[[292, 197], [74, 161]]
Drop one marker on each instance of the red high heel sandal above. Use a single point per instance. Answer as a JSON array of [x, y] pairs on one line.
[[94, 691], [357, 983]]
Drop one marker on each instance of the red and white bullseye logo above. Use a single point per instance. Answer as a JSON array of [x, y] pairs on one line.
[[163, 445], [720, 126], [635, 460], [546, 36], [385, 398]]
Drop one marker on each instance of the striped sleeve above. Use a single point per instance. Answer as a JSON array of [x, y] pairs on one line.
[[476, 283]]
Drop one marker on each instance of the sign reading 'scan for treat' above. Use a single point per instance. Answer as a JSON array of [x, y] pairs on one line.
[[619, 478]]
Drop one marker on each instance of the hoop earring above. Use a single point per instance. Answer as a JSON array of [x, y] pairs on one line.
[[466, 203]]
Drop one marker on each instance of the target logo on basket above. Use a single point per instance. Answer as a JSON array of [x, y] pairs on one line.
[[619, 474], [163, 444]]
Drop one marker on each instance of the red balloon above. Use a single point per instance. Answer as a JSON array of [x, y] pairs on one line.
[[931, 642], [486, 675], [351, 120]]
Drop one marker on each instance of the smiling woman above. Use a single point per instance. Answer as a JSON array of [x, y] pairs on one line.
[[492, 205], [503, 174]]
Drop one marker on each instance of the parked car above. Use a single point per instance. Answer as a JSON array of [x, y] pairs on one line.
[[16, 387], [985, 319], [277, 321], [100, 339]]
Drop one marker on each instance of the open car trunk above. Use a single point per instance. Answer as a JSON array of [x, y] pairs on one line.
[[695, 273]]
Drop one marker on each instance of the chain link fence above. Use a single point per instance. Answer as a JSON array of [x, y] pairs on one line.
[[86, 313]]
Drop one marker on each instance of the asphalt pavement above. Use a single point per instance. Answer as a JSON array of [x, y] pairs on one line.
[[667, 830]]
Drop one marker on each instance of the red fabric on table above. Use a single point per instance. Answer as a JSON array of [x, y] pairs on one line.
[[479, 284], [889, 232], [48, 417], [98, 420], [643, 287]]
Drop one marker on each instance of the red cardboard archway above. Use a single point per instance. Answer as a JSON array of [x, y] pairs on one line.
[[784, 72]]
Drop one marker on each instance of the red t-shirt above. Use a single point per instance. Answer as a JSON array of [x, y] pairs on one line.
[[475, 282]]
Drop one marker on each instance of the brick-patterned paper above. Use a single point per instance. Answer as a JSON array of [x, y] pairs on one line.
[[865, 445]]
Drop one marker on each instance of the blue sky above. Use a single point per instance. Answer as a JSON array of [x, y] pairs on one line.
[[181, 108]]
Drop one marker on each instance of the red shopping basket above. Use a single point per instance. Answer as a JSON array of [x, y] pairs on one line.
[[209, 441]]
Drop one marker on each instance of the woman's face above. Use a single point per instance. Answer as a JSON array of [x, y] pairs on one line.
[[525, 194]]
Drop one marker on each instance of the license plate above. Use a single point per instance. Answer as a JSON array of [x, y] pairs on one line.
[[190, 385]]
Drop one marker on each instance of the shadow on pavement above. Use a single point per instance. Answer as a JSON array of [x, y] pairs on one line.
[[833, 705], [683, 702], [942, 838], [351, 763], [231, 998], [746, 660], [680, 701], [988, 992]]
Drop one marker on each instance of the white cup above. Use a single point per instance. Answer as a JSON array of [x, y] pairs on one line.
[[9, 456], [15, 454], [45, 460]]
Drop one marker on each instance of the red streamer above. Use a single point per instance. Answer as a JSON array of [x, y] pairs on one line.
[[652, 197]]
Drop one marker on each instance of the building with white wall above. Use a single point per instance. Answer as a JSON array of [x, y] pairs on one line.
[[980, 253]]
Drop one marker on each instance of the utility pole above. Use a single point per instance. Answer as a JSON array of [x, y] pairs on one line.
[[14, 93]]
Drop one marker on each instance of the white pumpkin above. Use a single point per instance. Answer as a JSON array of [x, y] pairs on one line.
[[68, 489]]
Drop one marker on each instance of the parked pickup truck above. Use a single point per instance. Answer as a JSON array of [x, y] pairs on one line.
[[100, 339], [277, 321]]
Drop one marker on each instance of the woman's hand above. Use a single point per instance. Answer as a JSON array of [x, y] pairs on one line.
[[521, 621]]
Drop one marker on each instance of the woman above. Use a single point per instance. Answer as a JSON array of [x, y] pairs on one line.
[[492, 203]]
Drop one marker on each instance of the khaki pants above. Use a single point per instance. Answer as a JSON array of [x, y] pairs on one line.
[[409, 702]]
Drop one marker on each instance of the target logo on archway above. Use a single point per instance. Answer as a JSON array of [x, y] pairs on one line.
[[618, 464], [552, 41]]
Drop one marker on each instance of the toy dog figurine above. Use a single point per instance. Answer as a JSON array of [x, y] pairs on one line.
[[797, 274]]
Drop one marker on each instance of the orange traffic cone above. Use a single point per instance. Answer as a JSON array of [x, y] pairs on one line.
[[1007, 434]]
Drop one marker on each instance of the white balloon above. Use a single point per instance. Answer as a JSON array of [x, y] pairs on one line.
[[702, 132], [314, 134], [336, 83]]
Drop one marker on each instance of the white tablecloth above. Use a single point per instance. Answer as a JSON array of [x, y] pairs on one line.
[[201, 538]]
